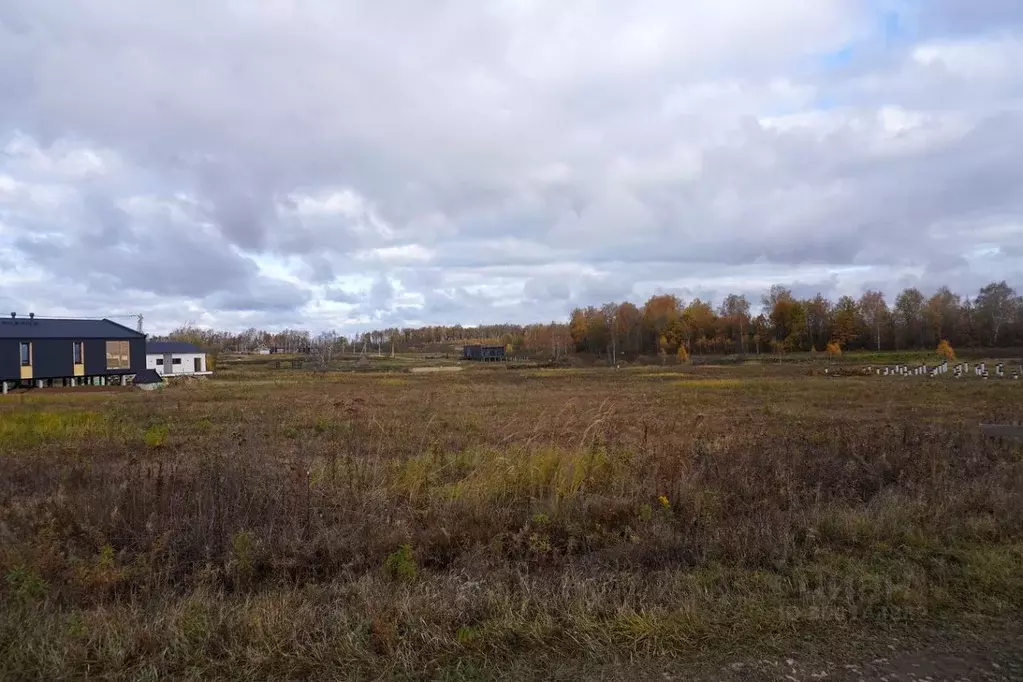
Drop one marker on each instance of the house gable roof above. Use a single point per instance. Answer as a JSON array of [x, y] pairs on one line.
[[147, 376], [62, 328], [161, 347]]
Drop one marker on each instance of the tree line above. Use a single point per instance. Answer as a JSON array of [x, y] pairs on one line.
[[552, 338], [786, 323], [665, 324]]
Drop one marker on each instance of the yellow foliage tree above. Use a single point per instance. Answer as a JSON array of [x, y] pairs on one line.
[[682, 354], [834, 350], [945, 351], [662, 348]]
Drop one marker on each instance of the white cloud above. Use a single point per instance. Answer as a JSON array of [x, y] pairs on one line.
[[67, 158], [406, 254], [993, 59]]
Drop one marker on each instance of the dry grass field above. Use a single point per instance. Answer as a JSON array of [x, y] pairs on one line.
[[469, 525]]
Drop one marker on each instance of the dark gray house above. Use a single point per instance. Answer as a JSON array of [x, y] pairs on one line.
[[40, 352], [481, 353]]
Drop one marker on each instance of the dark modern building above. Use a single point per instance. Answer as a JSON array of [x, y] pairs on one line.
[[41, 352], [483, 353]]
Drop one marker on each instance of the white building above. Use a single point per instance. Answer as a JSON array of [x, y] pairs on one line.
[[173, 358]]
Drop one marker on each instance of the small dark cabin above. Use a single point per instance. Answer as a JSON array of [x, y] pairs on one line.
[[483, 353], [40, 352]]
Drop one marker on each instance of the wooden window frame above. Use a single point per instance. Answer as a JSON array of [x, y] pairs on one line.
[[118, 355], [21, 346]]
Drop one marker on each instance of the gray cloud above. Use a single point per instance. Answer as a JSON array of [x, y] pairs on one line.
[[262, 295], [379, 298], [341, 296], [980, 16]]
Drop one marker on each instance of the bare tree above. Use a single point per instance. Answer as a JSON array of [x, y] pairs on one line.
[[610, 313], [737, 307], [875, 311], [909, 309], [997, 304], [324, 346]]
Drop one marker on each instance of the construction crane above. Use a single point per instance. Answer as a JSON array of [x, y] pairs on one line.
[[137, 317]]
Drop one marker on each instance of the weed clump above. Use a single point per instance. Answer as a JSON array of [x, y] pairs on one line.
[[156, 436], [242, 562], [400, 565], [25, 585]]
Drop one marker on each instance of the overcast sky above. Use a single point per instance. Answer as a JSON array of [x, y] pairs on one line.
[[368, 163]]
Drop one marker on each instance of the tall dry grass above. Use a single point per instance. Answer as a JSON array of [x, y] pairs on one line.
[[359, 524]]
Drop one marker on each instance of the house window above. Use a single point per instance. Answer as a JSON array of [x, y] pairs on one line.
[[118, 355], [159, 361], [26, 354], [177, 361], [76, 350]]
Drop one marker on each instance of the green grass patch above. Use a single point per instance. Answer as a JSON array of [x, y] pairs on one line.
[[26, 428]]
